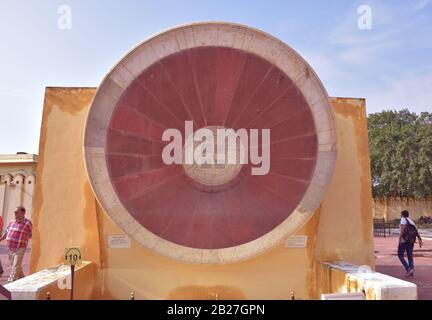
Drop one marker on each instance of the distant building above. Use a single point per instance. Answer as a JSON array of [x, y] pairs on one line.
[[17, 179]]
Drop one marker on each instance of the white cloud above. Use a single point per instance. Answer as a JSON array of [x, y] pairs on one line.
[[409, 91], [324, 65], [360, 58], [420, 5], [365, 54], [389, 32]]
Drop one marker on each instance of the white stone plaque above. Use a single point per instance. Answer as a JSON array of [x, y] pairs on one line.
[[298, 241], [119, 242]]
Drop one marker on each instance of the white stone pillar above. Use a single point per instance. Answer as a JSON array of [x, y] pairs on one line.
[[15, 197], [29, 182], [2, 198], [5, 182]]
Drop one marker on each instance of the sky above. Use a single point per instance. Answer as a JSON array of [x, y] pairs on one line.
[[378, 50]]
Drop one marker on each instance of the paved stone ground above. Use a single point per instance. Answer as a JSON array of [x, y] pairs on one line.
[[387, 262], [6, 265]]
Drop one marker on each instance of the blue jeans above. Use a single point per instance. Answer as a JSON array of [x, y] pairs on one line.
[[405, 246]]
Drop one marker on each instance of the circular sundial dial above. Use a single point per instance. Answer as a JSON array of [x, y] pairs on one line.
[[225, 163], [217, 76]]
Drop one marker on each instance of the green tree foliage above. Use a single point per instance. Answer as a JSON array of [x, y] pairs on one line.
[[400, 144]]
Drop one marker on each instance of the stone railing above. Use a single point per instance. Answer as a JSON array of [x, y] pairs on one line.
[[54, 283], [343, 277]]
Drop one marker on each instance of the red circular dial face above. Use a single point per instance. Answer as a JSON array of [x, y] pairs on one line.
[[220, 205]]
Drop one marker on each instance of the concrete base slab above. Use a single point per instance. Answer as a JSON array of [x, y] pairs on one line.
[[344, 277]]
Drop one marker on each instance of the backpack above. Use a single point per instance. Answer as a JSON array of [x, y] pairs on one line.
[[410, 233]]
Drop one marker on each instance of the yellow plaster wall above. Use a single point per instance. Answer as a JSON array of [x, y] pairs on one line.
[[390, 208], [64, 207], [345, 231], [66, 213]]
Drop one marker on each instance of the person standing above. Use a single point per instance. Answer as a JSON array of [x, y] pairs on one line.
[[17, 235], [407, 238]]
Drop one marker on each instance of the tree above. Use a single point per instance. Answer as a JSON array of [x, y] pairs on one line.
[[400, 144]]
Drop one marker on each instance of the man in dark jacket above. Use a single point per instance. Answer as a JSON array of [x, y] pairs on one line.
[[407, 238]]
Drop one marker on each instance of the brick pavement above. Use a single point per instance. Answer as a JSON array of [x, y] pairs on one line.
[[387, 262]]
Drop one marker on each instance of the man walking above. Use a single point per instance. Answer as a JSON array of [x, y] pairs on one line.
[[407, 238], [17, 236]]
